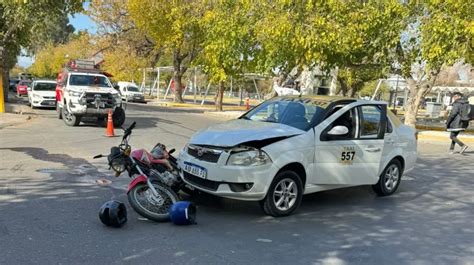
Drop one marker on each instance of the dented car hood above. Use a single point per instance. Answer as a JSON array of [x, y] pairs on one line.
[[239, 131]]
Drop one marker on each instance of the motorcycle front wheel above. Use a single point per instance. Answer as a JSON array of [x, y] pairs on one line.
[[152, 207]]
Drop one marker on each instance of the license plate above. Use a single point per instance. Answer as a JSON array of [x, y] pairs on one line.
[[195, 170], [51, 103]]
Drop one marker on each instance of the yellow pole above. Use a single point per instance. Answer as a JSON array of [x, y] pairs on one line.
[[2, 99]]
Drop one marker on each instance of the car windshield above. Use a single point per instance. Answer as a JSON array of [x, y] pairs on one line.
[[300, 113], [44, 87], [88, 80], [25, 83], [133, 89]]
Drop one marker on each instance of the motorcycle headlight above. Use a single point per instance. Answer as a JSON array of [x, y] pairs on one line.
[[118, 165], [249, 158]]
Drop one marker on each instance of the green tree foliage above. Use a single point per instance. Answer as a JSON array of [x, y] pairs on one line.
[[370, 87], [228, 42], [118, 35], [175, 26], [51, 58], [21, 23], [436, 34]]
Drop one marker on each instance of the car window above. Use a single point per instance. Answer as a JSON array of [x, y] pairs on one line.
[[348, 120], [295, 112], [88, 80], [370, 117], [132, 89], [25, 83], [44, 87]]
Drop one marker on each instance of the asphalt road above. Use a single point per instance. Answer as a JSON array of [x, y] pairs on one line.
[[49, 200]]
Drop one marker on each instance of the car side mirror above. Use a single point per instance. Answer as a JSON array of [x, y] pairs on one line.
[[28, 88], [338, 130], [117, 87]]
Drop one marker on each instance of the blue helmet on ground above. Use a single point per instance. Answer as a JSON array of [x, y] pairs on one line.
[[183, 213], [113, 213]]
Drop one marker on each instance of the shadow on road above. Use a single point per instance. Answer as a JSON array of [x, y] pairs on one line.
[[428, 221]]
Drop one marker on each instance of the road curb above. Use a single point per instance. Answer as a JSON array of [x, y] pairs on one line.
[[433, 136]]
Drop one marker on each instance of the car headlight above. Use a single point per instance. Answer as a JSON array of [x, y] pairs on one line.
[[74, 93], [248, 158], [37, 96]]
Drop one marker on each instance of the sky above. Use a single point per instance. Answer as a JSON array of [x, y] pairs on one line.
[[79, 21]]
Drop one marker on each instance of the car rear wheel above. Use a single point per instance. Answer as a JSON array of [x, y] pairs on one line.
[[284, 195], [69, 118], [389, 180]]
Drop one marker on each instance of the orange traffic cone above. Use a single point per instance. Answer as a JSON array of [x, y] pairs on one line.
[[110, 126]]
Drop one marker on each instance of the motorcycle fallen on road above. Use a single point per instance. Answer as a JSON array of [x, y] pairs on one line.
[[155, 180]]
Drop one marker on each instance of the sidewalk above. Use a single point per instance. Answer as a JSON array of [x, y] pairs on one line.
[[435, 136], [15, 113], [10, 119]]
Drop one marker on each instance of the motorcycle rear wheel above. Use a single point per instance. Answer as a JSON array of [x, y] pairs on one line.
[[149, 206]]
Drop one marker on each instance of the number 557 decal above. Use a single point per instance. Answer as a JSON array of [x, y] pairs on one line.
[[347, 155]]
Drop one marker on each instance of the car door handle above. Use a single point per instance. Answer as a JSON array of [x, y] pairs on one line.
[[372, 149]]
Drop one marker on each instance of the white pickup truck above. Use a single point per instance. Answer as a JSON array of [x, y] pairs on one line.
[[84, 91]]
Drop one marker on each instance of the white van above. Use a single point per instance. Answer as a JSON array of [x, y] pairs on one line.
[[130, 92]]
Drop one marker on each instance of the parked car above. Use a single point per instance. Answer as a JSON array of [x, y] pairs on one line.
[[12, 84], [42, 93], [289, 146], [130, 92], [22, 87]]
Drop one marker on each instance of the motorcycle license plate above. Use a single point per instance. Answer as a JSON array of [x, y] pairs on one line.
[[195, 170]]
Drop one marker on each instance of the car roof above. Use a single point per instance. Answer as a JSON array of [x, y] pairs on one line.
[[44, 81], [330, 99], [85, 73]]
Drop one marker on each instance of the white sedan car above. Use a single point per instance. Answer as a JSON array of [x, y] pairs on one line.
[[290, 146], [42, 93]]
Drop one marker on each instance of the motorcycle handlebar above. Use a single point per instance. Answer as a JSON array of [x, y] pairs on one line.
[[128, 131]]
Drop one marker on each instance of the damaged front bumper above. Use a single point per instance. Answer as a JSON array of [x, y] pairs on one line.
[[230, 181]]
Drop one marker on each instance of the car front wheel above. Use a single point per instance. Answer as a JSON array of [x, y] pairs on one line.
[[389, 180], [284, 195], [69, 118]]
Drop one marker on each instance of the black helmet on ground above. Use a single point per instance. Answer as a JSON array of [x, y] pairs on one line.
[[113, 213]]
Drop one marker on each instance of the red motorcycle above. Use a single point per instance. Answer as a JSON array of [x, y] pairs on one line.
[[154, 174]]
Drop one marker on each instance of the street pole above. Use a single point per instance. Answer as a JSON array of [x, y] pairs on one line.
[[2, 98], [395, 96]]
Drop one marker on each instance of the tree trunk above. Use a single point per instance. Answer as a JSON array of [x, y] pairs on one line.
[[178, 87], [4, 68], [219, 96], [417, 92], [177, 76], [344, 87]]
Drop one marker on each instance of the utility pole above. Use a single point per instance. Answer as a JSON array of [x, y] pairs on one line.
[[2, 98], [396, 91]]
